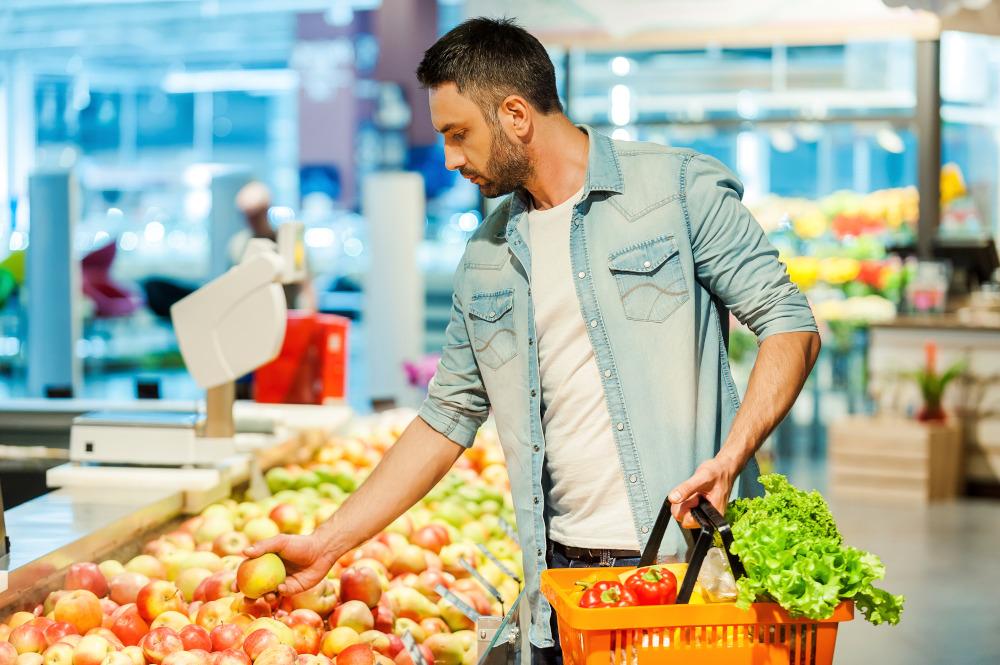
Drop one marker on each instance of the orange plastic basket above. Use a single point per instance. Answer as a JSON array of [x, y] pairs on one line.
[[715, 634], [683, 634]]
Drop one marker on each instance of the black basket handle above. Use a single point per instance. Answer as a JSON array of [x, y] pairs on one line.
[[710, 522]]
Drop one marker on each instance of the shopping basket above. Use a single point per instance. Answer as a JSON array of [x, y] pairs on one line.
[[684, 634]]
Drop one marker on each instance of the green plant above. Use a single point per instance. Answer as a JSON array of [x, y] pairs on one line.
[[932, 384]]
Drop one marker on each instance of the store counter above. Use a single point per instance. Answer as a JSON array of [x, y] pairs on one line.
[[898, 347]]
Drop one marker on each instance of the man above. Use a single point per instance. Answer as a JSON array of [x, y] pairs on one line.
[[586, 314]]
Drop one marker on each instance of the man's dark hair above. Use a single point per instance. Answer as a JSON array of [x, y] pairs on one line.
[[490, 59]]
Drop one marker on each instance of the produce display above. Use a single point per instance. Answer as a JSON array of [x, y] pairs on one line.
[[191, 598]]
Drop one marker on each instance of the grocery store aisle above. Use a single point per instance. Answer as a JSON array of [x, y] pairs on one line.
[[945, 558]]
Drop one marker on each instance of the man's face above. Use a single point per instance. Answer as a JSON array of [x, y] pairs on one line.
[[478, 149]]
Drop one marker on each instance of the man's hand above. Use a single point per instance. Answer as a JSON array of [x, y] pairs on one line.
[[713, 480], [307, 560]]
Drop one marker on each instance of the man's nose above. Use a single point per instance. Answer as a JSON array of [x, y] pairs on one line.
[[454, 159]]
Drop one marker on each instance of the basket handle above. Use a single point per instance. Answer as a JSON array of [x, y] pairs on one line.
[[710, 522]]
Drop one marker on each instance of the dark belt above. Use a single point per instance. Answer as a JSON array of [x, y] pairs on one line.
[[590, 554]]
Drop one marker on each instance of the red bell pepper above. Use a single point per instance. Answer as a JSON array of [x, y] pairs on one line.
[[653, 586], [608, 594]]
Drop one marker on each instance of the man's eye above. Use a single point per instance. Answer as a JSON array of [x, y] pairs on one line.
[[460, 136]]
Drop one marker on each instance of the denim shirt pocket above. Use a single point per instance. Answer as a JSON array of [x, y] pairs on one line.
[[650, 279], [494, 336]]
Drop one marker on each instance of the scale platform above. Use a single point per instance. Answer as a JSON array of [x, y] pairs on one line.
[[146, 438]]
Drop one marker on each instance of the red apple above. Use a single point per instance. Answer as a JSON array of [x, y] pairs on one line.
[[86, 575], [379, 551], [259, 640], [255, 607], [28, 638], [159, 643], [357, 654], [433, 626], [72, 640], [360, 583], [378, 640], [232, 657], [128, 625], [215, 586], [185, 658], [321, 599], [280, 654], [385, 618], [18, 618], [353, 614], [214, 613], [59, 653], [446, 648], [408, 559], [287, 517], [180, 539], [312, 659], [125, 587], [427, 581], [337, 640], [431, 537], [41, 623], [157, 597], [50, 600], [230, 543], [135, 654], [108, 606], [403, 657], [306, 638], [189, 579], [226, 636], [256, 577], [195, 637], [58, 630], [303, 617], [80, 608], [395, 645], [108, 635], [260, 528], [91, 650]]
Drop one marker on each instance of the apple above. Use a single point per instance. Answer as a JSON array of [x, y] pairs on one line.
[[86, 575], [124, 587], [135, 654], [110, 567], [259, 640], [402, 525], [28, 638], [226, 636], [58, 630], [404, 658], [434, 625], [305, 638], [283, 632], [29, 658], [159, 643], [337, 640], [380, 570], [106, 634], [385, 618], [256, 577], [157, 597], [427, 582], [247, 511], [116, 658], [287, 517], [18, 618], [312, 659], [321, 599], [195, 637], [395, 645], [255, 607], [128, 625], [408, 559], [50, 600], [182, 540], [40, 622], [280, 654], [232, 657], [80, 608], [404, 625], [91, 650], [379, 551], [108, 606], [171, 619], [231, 543], [215, 586], [446, 649], [201, 559], [353, 614], [212, 528], [214, 613], [59, 653], [260, 528], [431, 537], [412, 604], [189, 579], [360, 583], [147, 565], [377, 639], [454, 618], [231, 562], [185, 658], [357, 654]]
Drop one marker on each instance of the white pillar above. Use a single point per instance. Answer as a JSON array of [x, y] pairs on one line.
[[393, 204]]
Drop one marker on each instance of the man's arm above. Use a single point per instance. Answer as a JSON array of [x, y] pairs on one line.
[[410, 469], [734, 260]]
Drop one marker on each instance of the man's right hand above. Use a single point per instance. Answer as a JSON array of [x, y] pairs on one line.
[[307, 560]]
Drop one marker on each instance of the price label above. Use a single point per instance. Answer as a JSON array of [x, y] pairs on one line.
[[482, 580], [499, 564], [411, 645], [507, 528], [463, 606]]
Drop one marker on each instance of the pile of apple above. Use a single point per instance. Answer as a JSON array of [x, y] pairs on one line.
[[191, 598]]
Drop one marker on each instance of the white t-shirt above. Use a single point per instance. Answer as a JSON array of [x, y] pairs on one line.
[[588, 499]]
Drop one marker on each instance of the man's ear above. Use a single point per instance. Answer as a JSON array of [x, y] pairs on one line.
[[515, 115]]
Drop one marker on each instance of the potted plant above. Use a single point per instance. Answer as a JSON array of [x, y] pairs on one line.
[[932, 384]]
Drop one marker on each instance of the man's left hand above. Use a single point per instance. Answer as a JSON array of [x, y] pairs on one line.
[[713, 480]]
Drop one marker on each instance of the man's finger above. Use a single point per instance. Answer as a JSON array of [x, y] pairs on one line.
[[275, 544]]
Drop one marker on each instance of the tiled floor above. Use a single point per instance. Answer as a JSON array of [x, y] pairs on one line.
[[945, 558]]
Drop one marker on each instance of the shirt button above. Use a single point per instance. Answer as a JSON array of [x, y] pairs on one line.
[[633, 478], [492, 314], [620, 426], [647, 264], [533, 393], [536, 448], [581, 275], [536, 500], [593, 323], [531, 342], [645, 529], [539, 553], [607, 373]]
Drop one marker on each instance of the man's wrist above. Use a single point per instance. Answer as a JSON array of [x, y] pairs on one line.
[[733, 459]]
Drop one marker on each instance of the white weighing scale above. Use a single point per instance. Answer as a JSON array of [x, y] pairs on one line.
[[226, 329]]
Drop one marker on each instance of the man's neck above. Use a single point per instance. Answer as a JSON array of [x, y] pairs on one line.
[[559, 160]]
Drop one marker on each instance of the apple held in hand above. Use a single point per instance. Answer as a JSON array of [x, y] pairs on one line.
[[81, 608], [256, 577], [86, 575]]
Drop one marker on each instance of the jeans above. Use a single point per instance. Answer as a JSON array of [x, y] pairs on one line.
[[553, 655]]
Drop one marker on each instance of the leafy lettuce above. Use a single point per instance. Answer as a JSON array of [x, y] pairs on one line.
[[794, 555]]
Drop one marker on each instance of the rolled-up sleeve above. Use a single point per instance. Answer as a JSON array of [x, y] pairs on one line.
[[456, 403], [732, 257]]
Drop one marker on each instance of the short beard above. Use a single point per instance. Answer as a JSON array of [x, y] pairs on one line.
[[509, 166]]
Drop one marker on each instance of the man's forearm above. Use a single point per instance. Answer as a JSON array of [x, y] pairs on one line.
[[410, 468], [782, 366]]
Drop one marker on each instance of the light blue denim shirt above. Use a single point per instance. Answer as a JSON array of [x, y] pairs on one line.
[[658, 243]]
